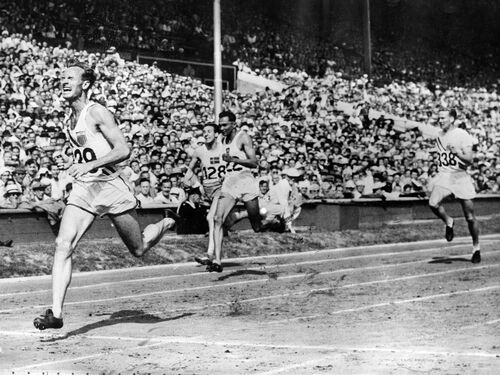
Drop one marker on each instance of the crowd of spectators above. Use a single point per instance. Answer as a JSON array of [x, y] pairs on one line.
[[338, 155], [267, 36]]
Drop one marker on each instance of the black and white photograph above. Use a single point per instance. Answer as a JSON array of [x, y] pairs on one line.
[[264, 187]]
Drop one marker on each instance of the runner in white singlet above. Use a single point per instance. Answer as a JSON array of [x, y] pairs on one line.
[[454, 146], [98, 146], [239, 182], [213, 169]]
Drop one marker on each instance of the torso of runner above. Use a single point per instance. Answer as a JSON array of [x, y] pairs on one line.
[[449, 162], [235, 150], [88, 145], [212, 165]]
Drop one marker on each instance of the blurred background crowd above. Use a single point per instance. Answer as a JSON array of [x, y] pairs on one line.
[[299, 131]]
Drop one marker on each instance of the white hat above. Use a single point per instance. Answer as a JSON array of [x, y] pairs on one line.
[[350, 184], [12, 189], [292, 172]]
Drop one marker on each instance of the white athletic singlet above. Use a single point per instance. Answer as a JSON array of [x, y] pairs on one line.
[[88, 146], [235, 151], [447, 161], [212, 165]]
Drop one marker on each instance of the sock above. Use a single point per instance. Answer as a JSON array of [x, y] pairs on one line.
[[475, 248], [153, 233], [449, 222]]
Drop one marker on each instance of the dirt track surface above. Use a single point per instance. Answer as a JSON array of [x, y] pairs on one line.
[[409, 308]]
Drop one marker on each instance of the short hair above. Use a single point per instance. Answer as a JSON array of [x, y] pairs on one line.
[[144, 180], [228, 114], [213, 125], [262, 182], [88, 73], [30, 162]]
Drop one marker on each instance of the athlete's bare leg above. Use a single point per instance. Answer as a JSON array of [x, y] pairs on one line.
[[435, 203], [74, 224], [127, 226], [253, 211], [233, 217], [224, 207], [210, 220], [468, 209]]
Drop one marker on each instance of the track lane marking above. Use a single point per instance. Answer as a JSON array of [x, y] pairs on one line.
[[475, 325], [308, 291], [236, 283], [81, 358], [489, 238], [160, 341], [308, 262], [385, 304]]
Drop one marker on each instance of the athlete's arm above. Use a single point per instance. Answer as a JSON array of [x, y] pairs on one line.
[[246, 144], [106, 124], [465, 154], [194, 160]]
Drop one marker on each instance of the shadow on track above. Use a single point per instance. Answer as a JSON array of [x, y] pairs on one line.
[[240, 273], [123, 316], [447, 260]]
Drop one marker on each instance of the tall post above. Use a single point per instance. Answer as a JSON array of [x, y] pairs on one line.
[[367, 44], [217, 62]]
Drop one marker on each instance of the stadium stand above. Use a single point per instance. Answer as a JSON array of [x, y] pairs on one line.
[[340, 155]]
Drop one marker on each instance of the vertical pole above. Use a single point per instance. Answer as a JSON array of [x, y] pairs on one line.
[[325, 18], [217, 62], [367, 44]]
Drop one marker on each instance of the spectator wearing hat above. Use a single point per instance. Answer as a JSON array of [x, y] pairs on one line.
[[41, 190], [192, 216], [12, 196]]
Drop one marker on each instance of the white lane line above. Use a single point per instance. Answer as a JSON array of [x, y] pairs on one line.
[[309, 291], [200, 340], [385, 304], [309, 262], [218, 286], [159, 341], [283, 369], [77, 359], [459, 240], [488, 322]]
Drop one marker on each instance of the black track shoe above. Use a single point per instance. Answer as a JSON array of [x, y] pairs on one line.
[[449, 234], [7, 243], [214, 267], [48, 320], [476, 257], [204, 261]]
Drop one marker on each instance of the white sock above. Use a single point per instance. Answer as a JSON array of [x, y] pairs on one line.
[[153, 233], [449, 223]]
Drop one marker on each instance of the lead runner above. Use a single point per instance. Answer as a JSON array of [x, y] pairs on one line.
[[99, 189]]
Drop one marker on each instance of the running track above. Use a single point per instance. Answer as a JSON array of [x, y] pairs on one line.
[[418, 307]]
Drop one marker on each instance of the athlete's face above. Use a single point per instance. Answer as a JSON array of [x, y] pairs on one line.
[[72, 83], [209, 134], [226, 125]]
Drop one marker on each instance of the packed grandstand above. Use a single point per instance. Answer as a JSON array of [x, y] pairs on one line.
[[339, 154]]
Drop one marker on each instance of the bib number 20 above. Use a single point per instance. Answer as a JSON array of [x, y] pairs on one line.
[[84, 156]]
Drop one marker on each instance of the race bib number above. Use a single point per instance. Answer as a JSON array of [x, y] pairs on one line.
[[447, 159]]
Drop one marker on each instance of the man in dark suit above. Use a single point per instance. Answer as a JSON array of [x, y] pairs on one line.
[[192, 216]]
